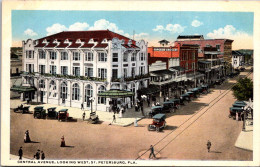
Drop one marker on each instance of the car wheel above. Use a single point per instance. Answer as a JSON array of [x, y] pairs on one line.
[[148, 128], [157, 129]]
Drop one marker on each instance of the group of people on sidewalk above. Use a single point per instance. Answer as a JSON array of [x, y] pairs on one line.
[[40, 155]]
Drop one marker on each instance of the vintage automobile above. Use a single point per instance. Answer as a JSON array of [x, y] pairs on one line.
[[63, 115], [196, 91], [218, 82], [23, 110], [186, 96], [52, 113], [234, 110], [93, 118], [155, 110], [168, 106], [191, 94], [39, 112], [158, 122], [176, 102], [205, 88]]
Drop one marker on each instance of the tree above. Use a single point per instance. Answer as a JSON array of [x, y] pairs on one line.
[[243, 90]]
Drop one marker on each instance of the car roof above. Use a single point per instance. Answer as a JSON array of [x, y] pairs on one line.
[[38, 107], [155, 107], [235, 108], [62, 110], [167, 102], [52, 108], [159, 116]]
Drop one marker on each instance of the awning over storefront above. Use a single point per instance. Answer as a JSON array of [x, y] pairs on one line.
[[116, 93], [21, 89], [161, 72], [151, 90]]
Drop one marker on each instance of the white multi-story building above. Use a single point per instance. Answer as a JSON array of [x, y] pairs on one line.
[[69, 67], [237, 59]]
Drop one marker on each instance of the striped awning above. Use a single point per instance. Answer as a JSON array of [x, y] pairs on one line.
[[116, 93], [21, 89]]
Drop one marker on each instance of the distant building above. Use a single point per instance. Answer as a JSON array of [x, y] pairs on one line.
[[238, 59], [69, 67], [164, 42]]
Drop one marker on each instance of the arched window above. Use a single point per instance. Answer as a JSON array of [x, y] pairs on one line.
[[133, 87], [42, 83], [64, 90], [52, 85], [75, 91], [88, 92], [101, 100]]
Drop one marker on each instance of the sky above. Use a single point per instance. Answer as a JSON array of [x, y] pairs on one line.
[[152, 26]]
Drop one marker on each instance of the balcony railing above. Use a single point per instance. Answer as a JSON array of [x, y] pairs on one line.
[[68, 76], [137, 77]]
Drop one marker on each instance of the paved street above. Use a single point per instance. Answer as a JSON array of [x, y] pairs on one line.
[[185, 137]]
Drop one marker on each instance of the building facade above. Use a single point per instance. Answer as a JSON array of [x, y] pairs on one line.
[[68, 68], [238, 59]]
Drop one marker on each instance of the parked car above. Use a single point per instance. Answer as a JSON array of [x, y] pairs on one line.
[[239, 105], [176, 102], [155, 110], [205, 88], [52, 113], [23, 110], [63, 115], [158, 123], [39, 112], [168, 106], [240, 102], [196, 91]]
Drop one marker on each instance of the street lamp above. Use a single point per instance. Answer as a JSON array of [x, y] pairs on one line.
[[244, 118], [91, 99]]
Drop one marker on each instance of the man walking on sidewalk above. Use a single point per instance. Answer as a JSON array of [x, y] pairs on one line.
[[152, 152], [82, 106], [20, 153], [208, 145], [83, 115], [114, 118]]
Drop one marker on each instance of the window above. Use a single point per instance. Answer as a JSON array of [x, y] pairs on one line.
[[193, 55], [53, 69], [88, 93], [133, 72], [76, 71], [218, 47], [42, 54], [64, 70], [30, 68], [75, 91], [114, 73], [42, 84], [208, 45], [102, 56], [125, 57], [88, 72], [88, 56], [125, 72], [64, 56], [76, 56], [115, 57], [53, 55], [186, 66], [101, 100], [29, 54], [64, 91], [133, 57], [41, 69], [52, 85], [141, 70], [142, 57], [102, 73]]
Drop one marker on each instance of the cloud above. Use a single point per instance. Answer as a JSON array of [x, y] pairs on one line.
[[30, 32], [78, 26], [241, 38], [176, 28], [159, 28], [173, 28], [196, 23], [56, 28], [141, 35], [103, 24]]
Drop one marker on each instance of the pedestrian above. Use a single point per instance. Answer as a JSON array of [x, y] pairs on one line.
[[142, 110], [20, 153], [62, 142], [121, 112], [82, 106], [136, 107], [148, 101], [208, 145], [27, 101], [37, 155], [152, 152], [167, 98], [83, 115], [164, 98], [135, 122], [42, 155], [27, 137], [114, 118]]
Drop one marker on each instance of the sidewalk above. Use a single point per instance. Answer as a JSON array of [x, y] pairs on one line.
[[15, 157], [245, 138], [127, 119]]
